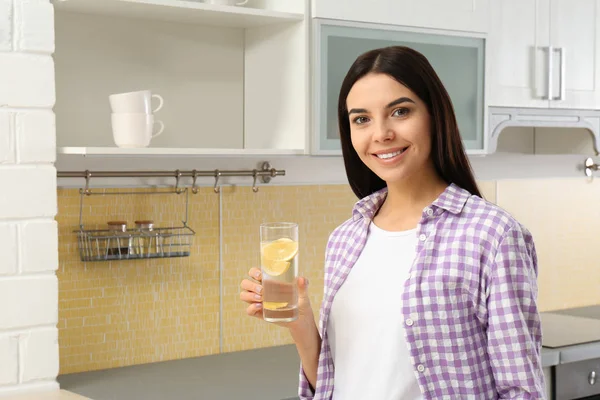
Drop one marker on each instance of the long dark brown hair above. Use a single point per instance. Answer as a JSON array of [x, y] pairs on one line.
[[411, 69]]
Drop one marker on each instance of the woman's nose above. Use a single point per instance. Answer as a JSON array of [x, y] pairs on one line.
[[383, 132]]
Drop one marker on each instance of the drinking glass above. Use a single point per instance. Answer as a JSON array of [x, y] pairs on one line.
[[279, 267]]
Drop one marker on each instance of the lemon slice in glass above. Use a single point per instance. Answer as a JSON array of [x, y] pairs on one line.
[[275, 268], [272, 305], [277, 254]]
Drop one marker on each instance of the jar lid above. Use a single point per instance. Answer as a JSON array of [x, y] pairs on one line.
[[116, 223], [144, 222]]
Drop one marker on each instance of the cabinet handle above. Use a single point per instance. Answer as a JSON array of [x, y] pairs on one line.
[[561, 82], [592, 378], [550, 72]]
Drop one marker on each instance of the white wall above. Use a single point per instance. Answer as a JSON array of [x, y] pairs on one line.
[[28, 232]]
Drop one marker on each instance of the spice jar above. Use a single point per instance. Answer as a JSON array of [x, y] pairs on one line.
[[119, 226], [118, 242], [147, 239], [146, 225]]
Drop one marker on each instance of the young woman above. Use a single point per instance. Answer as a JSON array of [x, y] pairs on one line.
[[430, 291]]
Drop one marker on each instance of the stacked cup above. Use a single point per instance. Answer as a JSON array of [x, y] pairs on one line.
[[133, 118]]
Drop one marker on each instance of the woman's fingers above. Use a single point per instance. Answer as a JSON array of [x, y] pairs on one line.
[[255, 274], [250, 297], [255, 310], [250, 286], [252, 292]]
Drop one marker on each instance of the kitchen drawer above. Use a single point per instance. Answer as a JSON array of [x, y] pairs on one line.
[[578, 380]]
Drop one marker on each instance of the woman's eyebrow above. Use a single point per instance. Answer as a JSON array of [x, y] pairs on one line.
[[400, 101], [392, 104], [357, 111]]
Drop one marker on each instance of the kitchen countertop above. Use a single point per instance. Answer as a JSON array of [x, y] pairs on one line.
[[586, 312], [53, 395], [562, 330], [227, 376], [581, 324], [550, 357]]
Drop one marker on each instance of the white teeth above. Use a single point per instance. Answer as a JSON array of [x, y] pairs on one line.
[[390, 155]]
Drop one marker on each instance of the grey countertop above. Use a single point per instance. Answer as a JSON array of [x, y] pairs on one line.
[[262, 374], [562, 330], [228, 376], [586, 312], [550, 357], [577, 328]]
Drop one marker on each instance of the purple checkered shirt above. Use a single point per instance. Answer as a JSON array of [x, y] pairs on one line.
[[473, 330]]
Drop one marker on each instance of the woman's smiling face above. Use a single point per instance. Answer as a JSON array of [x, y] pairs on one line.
[[389, 128]]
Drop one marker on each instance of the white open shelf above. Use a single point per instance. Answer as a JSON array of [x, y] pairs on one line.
[[233, 79], [183, 11], [168, 152]]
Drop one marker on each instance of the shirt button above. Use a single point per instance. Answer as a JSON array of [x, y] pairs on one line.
[[420, 368], [429, 211], [422, 237], [409, 322]]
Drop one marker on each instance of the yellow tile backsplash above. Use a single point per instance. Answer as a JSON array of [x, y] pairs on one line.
[[129, 312]]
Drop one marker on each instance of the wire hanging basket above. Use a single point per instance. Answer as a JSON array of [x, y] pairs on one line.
[[143, 242]]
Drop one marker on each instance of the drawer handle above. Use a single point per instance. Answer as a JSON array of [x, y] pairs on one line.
[[592, 378]]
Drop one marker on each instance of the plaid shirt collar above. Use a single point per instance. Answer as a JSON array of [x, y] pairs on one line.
[[452, 199]]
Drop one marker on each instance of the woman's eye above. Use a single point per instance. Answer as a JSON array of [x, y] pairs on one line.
[[400, 112], [360, 120]]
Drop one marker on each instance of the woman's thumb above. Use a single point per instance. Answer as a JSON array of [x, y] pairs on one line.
[[302, 287]]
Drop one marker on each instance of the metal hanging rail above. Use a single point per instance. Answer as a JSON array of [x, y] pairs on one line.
[[266, 173]]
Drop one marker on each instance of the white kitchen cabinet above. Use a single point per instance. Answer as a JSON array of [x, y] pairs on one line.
[[545, 54], [233, 78], [459, 15], [459, 60], [575, 35], [518, 41]]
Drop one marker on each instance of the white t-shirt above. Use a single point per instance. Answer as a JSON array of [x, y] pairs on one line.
[[365, 327]]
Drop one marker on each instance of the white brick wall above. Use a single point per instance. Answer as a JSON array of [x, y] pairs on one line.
[[36, 133], [9, 354], [8, 247], [33, 301], [7, 138], [5, 25], [28, 191], [37, 354], [35, 19], [36, 258], [27, 80], [28, 231]]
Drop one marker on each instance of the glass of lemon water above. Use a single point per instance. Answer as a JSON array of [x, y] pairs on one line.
[[279, 266]]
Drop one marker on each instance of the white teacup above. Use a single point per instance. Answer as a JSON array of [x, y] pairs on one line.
[[135, 102], [227, 2], [132, 130]]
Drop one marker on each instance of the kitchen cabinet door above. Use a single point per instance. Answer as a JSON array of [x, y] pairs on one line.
[[460, 15], [519, 42], [575, 39], [545, 54], [458, 60]]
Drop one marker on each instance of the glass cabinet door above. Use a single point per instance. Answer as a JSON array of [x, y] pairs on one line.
[[458, 61]]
